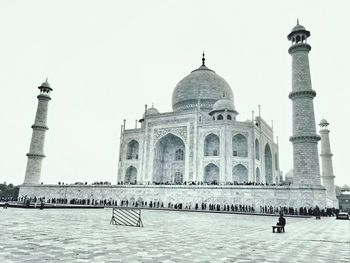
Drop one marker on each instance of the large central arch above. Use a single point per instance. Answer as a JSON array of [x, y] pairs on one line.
[[168, 161]]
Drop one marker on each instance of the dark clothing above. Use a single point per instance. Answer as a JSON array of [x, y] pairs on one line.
[[281, 221]]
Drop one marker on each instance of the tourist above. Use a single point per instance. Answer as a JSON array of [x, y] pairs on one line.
[[281, 222], [317, 212]]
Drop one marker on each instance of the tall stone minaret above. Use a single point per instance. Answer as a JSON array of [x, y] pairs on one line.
[[327, 165], [36, 151], [305, 153]]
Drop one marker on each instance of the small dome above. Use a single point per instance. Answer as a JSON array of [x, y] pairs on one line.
[[45, 84], [324, 123], [45, 87], [152, 111], [298, 28], [224, 104]]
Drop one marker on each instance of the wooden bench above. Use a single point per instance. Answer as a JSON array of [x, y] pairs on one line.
[[279, 229]]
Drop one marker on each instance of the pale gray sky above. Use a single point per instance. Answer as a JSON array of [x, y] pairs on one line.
[[106, 59]]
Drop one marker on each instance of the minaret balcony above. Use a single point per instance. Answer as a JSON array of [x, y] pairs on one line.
[[300, 94], [299, 47], [36, 155], [39, 127], [326, 154], [44, 96], [304, 138]]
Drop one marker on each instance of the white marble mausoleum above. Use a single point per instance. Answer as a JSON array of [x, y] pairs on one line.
[[201, 141]]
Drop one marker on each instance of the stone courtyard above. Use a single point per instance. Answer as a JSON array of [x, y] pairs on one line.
[[65, 235]]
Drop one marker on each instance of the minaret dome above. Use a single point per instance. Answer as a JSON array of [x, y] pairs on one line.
[[298, 34]]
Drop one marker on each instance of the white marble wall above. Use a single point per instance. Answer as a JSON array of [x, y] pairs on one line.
[[192, 128], [247, 195]]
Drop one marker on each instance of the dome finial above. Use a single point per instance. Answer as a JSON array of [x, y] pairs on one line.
[[152, 104], [297, 21], [203, 59]]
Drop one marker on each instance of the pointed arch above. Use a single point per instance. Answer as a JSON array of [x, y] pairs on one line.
[[240, 174], [212, 145], [211, 174], [240, 145], [257, 149], [132, 150], [220, 117], [268, 164], [131, 175], [168, 152]]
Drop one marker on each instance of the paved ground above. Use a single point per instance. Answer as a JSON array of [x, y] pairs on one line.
[[29, 235]]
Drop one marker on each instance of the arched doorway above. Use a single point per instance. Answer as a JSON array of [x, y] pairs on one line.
[[131, 175], [212, 145], [211, 174], [268, 164], [169, 161], [240, 174], [240, 146], [133, 150]]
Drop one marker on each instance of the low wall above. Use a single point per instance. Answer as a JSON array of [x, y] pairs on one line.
[[290, 196]]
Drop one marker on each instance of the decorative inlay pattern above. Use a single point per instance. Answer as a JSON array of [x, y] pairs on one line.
[[180, 131]]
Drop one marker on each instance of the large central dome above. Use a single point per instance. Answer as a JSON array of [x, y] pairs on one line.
[[202, 84]]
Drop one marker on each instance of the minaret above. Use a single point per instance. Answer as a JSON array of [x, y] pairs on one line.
[[36, 151], [327, 165], [305, 153]]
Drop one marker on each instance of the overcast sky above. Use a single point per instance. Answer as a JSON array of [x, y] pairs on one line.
[[106, 59]]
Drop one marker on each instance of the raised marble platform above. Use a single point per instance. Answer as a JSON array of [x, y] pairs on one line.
[[290, 196]]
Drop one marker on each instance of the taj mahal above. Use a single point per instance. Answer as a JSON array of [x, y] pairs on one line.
[[202, 152], [200, 141]]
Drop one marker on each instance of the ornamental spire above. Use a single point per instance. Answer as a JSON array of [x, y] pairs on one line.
[[203, 59]]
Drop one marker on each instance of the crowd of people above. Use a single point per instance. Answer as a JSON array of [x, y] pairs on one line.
[[208, 183], [155, 204]]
